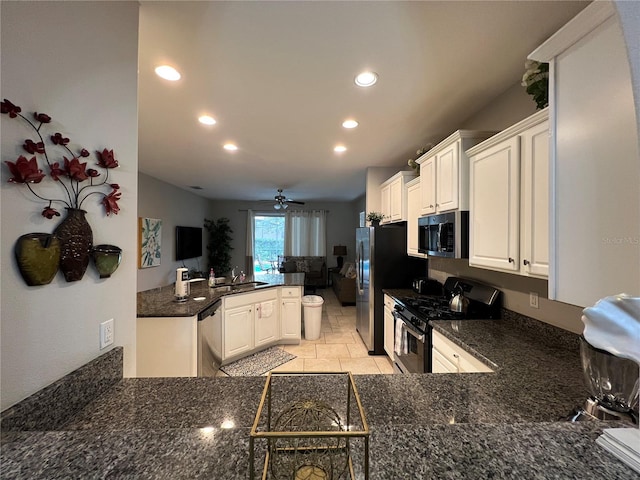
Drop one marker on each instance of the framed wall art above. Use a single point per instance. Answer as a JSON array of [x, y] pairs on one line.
[[149, 240]]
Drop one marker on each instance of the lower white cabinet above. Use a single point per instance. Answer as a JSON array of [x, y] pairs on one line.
[[290, 314], [447, 357], [389, 325]]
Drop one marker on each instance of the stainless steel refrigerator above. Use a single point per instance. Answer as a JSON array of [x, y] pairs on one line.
[[381, 262]]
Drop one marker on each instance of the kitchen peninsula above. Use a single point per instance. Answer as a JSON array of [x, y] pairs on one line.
[[506, 424], [215, 325]]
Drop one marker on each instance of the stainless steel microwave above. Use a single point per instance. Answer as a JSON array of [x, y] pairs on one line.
[[444, 234]]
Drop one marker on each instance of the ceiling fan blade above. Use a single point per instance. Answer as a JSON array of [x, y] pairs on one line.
[[294, 201]]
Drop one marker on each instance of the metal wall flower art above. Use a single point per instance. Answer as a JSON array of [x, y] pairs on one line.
[[70, 172], [77, 183]]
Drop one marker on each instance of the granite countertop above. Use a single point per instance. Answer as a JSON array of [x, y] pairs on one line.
[[505, 424], [160, 302]]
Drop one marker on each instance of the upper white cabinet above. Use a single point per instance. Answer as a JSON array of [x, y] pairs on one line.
[[444, 173], [413, 212], [393, 197], [595, 162], [509, 199]]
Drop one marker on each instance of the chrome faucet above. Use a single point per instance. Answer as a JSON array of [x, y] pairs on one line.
[[234, 277]]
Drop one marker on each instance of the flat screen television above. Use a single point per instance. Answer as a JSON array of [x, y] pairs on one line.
[[188, 242]]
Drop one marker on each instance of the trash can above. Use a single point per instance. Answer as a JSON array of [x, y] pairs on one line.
[[312, 305]]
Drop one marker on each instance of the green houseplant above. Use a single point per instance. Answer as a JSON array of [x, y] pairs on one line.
[[374, 217], [219, 246]]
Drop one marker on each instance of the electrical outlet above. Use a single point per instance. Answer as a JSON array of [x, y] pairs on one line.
[[533, 299], [107, 333]]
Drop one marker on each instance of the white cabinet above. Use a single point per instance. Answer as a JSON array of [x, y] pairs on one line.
[[508, 199], [595, 164], [444, 173], [250, 320], [413, 212], [393, 197], [166, 346], [447, 357], [290, 314], [389, 325], [237, 330]]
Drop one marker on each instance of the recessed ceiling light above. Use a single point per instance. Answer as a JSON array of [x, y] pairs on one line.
[[339, 148], [168, 73], [207, 120], [350, 123], [366, 79], [230, 147]]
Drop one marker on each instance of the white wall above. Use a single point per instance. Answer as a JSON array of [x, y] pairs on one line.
[[341, 224], [174, 206], [77, 62]]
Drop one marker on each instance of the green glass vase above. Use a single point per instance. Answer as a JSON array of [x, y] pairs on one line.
[[106, 258], [38, 257]]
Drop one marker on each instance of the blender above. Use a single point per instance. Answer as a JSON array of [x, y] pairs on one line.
[[613, 384]]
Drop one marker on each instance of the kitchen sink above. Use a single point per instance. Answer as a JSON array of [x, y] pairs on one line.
[[233, 287]]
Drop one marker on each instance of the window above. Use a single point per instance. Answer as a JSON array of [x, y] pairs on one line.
[[268, 242]]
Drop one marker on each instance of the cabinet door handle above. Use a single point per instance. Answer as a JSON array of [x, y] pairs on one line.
[[437, 204], [430, 206], [525, 262], [455, 355], [511, 260]]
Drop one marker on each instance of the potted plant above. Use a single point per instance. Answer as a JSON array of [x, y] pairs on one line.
[[219, 246], [374, 218]]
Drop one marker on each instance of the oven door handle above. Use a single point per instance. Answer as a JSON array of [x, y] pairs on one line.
[[412, 332]]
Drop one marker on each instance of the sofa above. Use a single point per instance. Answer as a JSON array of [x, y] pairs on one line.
[[344, 283], [314, 269]]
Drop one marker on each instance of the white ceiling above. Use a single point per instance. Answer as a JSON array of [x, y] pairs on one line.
[[278, 78]]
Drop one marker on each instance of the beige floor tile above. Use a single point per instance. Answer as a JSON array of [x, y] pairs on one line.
[[304, 341], [339, 337], [359, 365], [302, 351], [334, 310], [295, 365], [321, 365], [333, 350], [384, 363], [357, 350], [326, 328]]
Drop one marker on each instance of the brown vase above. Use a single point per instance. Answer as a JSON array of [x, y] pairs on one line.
[[76, 240], [38, 256]]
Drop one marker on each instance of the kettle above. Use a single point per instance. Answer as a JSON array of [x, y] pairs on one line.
[[459, 303]]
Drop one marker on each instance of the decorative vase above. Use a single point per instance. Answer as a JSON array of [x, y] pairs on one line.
[[38, 257], [76, 239], [106, 259]]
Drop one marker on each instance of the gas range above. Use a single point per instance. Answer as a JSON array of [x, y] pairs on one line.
[[414, 312]]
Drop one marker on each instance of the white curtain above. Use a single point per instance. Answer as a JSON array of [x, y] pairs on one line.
[[249, 254], [305, 233]]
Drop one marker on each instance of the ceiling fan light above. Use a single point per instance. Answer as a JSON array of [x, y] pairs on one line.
[[285, 206], [277, 206]]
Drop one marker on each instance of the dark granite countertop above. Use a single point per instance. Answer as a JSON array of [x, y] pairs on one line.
[[505, 424], [160, 302]]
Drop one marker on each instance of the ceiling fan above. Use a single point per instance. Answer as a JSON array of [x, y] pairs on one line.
[[283, 202]]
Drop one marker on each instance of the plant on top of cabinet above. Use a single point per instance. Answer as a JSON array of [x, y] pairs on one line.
[[421, 151], [219, 246], [536, 79]]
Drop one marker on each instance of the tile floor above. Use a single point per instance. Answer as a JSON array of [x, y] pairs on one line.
[[339, 347]]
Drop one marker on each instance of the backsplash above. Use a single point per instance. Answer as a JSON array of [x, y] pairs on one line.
[[53, 406]]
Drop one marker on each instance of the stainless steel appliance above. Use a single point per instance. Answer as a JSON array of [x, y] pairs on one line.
[[414, 313], [381, 262], [444, 234], [613, 384]]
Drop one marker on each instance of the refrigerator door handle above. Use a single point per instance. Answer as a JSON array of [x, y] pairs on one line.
[[360, 270]]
